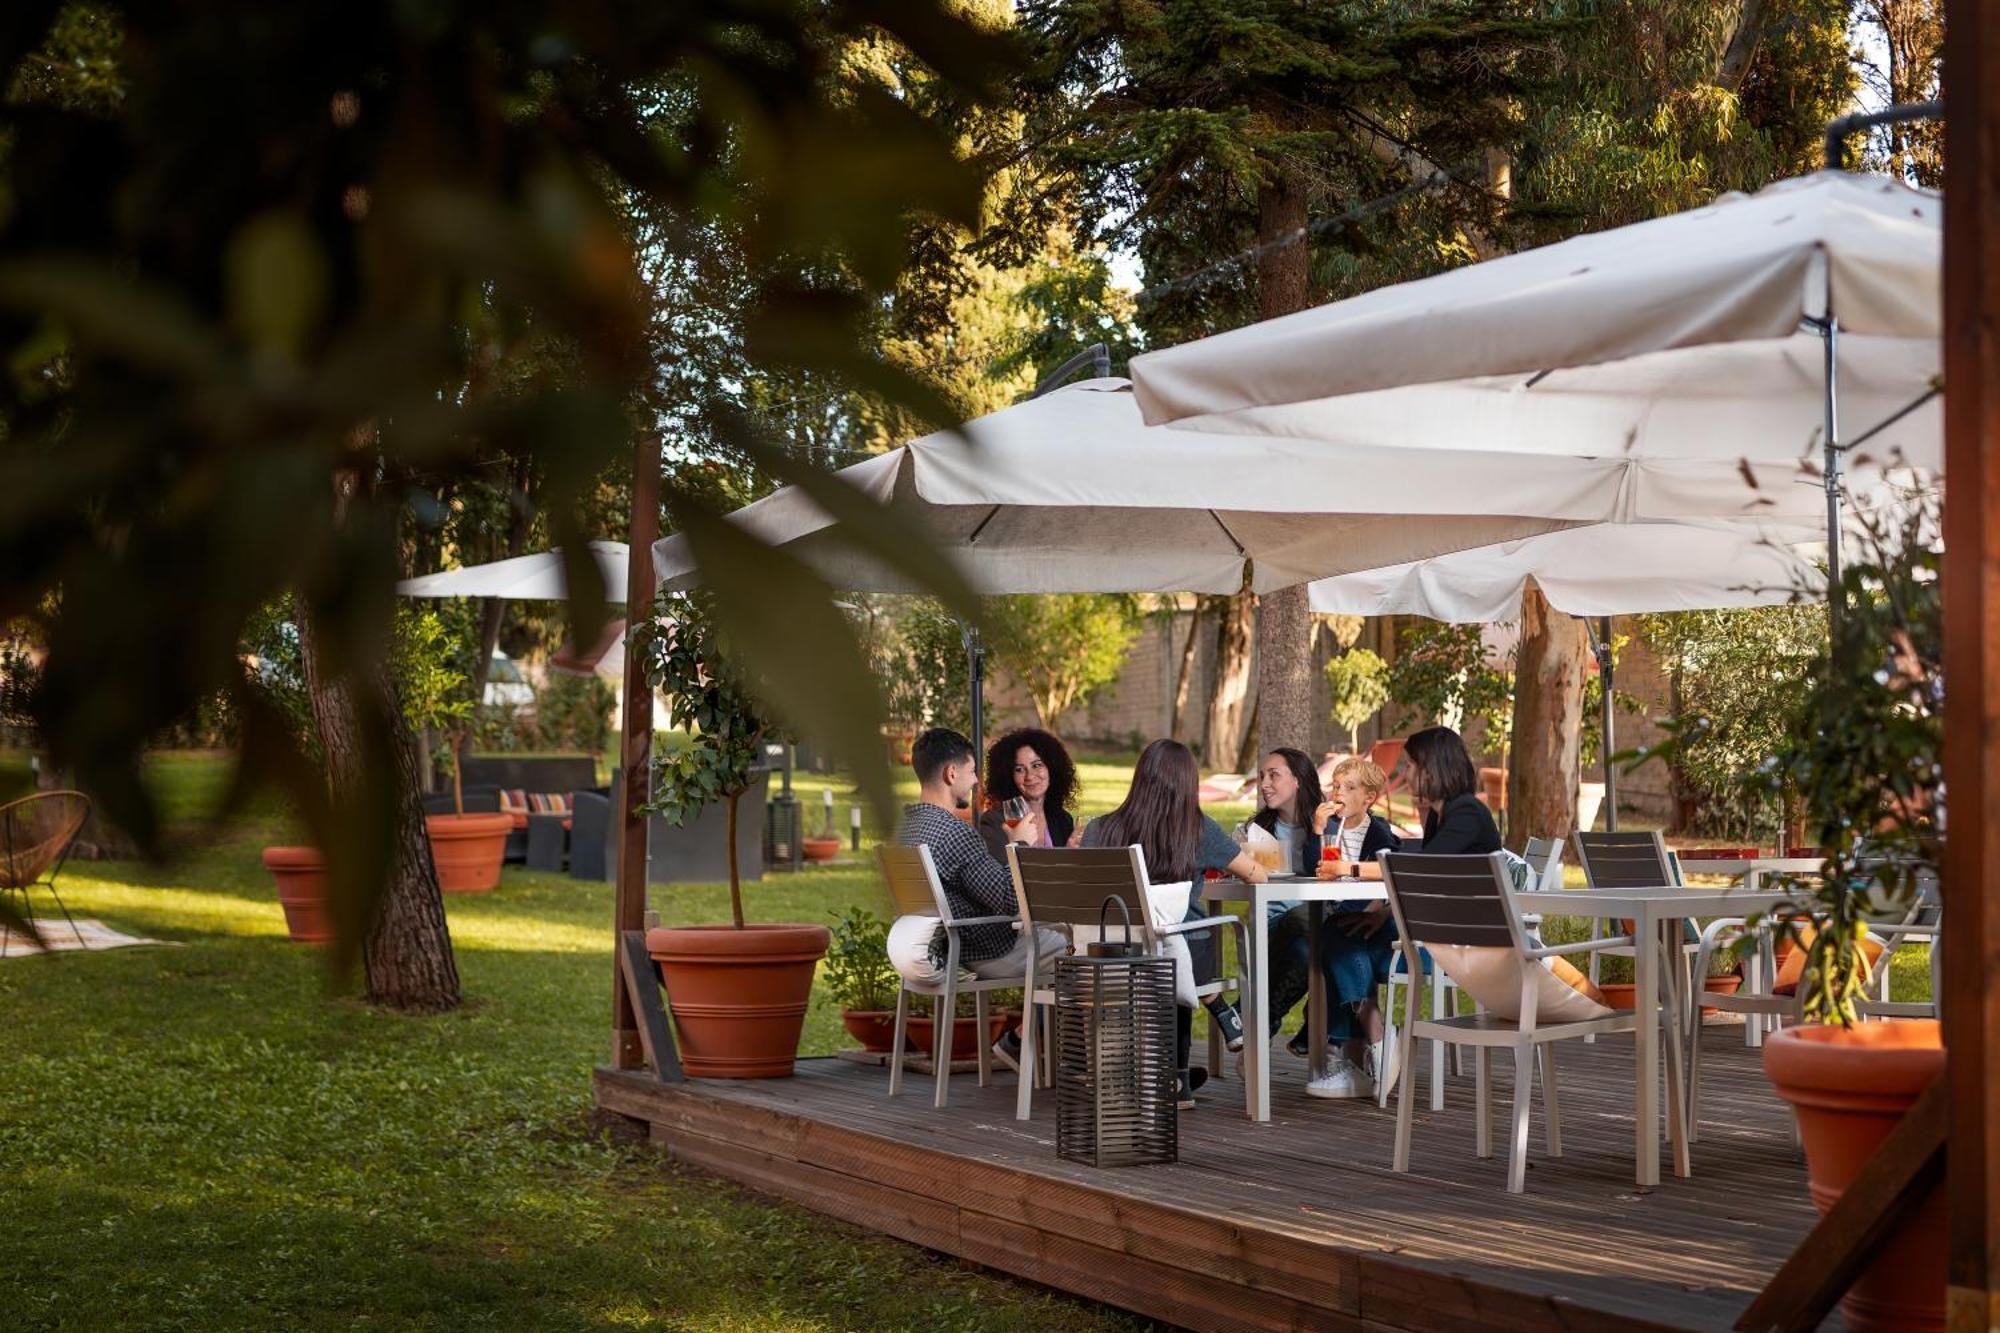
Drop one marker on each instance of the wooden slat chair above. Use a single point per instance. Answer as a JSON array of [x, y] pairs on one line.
[[1064, 888], [1462, 909], [36, 834], [1634, 861], [1544, 858], [915, 889]]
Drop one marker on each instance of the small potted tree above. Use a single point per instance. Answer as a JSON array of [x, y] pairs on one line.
[[467, 849], [739, 992], [1865, 761]]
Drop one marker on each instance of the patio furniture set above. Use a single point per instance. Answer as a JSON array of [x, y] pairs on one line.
[[1466, 931]]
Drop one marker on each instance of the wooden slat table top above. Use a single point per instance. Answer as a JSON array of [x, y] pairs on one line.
[[1689, 1253]]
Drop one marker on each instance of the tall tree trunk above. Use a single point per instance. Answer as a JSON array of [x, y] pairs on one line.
[[1230, 691], [1184, 678], [1284, 617], [1248, 753], [407, 952], [1549, 670]]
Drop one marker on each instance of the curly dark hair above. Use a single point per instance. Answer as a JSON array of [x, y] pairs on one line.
[[1000, 767]]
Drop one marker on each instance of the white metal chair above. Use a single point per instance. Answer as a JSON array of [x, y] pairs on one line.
[[915, 889], [1064, 888], [1462, 909]]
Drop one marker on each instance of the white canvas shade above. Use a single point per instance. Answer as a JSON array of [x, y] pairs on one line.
[[1600, 570], [1070, 492], [1696, 316], [526, 578]]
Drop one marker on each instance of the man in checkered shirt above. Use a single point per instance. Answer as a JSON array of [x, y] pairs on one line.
[[974, 883]]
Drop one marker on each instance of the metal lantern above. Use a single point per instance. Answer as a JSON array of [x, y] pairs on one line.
[[1115, 1065]]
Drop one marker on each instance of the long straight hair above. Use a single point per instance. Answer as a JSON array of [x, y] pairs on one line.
[[1440, 769], [1161, 813], [1308, 799]]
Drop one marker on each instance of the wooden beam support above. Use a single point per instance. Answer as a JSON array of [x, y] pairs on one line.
[[642, 990], [1896, 1180], [635, 751], [1971, 999]]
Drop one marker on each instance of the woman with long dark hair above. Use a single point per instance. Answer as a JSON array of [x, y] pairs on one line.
[[1033, 765], [1162, 814], [1357, 946]]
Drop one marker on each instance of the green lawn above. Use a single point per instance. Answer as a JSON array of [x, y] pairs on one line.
[[212, 1135]]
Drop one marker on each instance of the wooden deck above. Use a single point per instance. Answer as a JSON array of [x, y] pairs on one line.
[[1297, 1223]]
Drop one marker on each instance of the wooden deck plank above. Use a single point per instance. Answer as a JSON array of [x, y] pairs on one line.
[[1294, 1223]]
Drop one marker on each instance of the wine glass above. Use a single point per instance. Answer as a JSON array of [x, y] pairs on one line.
[[1013, 810]]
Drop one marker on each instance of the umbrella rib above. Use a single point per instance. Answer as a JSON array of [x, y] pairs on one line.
[[1893, 417], [1539, 376], [973, 540], [1227, 533]]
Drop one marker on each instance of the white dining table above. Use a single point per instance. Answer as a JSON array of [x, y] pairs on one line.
[[1315, 894], [1653, 911], [1750, 872]]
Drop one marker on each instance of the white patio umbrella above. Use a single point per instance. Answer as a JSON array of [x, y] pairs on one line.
[[525, 578], [1791, 324], [1069, 492], [1598, 570]]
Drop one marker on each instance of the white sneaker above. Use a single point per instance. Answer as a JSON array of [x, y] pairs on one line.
[[1344, 1079], [1382, 1064]]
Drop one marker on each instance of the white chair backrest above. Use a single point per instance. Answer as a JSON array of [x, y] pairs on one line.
[[1544, 857]]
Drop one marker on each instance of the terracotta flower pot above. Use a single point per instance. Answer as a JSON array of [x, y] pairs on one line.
[[820, 849], [738, 996], [875, 1029], [1625, 994], [468, 850], [919, 1035], [301, 876], [1849, 1087]]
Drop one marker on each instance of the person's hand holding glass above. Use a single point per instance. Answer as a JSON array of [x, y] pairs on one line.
[[1022, 826]]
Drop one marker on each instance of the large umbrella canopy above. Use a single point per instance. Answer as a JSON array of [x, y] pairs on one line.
[[1683, 337], [1070, 492], [526, 578], [1598, 570]]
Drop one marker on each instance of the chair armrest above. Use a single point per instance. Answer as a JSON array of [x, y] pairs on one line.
[[1582, 946], [983, 921], [1205, 923]]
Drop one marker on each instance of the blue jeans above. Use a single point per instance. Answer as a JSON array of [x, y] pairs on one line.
[[1353, 966]]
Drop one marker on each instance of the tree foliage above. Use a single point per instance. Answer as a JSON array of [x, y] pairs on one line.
[[1447, 676], [1359, 680], [220, 291], [1064, 647]]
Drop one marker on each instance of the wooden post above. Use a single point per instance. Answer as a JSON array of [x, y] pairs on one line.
[[635, 747], [1971, 580]]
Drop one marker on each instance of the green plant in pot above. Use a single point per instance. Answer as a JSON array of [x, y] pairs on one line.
[[467, 849], [739, 992], [862, 981], [1864, 758]]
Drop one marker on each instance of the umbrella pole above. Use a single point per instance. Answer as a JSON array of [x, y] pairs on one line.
[[1829, 330], [1600, 648], [975, 664]]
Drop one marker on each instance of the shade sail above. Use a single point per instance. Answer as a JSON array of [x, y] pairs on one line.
[[1070, 492], [1598, 570], [526, 578], [1644, 333]]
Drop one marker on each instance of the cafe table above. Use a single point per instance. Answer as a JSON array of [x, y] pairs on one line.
[[1315, 894], [1654, 913], [1750, 872]]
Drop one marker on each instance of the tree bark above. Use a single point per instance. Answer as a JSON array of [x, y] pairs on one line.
[[1549, 669], [1284, 618], [1230, 691], [1184, 678], [406, 953], [735, 879], [1742, 49]]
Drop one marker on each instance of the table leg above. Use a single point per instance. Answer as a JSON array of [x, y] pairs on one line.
[[1646, 1053], [1678, 1004], [1315, 993], [1256, 1014]]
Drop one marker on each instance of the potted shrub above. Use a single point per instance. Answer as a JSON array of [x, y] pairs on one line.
[[1865, 761], [861, 979], [466, 849], [739, 992]]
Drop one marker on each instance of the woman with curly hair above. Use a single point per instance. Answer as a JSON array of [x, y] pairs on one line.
[[1033, 765]]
